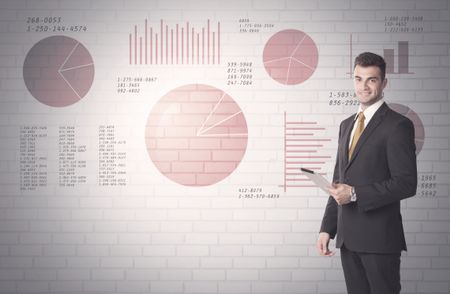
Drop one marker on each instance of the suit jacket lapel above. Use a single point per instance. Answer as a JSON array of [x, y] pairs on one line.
[[371, 126]]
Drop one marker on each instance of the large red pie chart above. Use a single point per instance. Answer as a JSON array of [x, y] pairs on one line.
[[58, 71], [196, 135], [419, 130], [290, 57]]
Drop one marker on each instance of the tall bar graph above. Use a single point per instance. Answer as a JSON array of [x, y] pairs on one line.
[[403, 58], [181, 44], [389, 56]]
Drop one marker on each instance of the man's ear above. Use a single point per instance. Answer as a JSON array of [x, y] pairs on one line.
[[385, 81]]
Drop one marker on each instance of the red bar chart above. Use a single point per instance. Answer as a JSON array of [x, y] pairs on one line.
[[182, 44], [403, 59], [389, 55], [302, 143]]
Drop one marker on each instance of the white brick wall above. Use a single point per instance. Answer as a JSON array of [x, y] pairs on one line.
[[156, 236]]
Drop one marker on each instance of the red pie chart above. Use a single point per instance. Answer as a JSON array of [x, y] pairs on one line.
[[419, 130], [196, 135], [290, 57], [58, 71]]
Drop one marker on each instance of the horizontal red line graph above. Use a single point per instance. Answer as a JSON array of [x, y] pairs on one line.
[[298, 186], [302, 151], [305, 162], [304, 129], [308, 167], [298, 174], [301, 123], [179, 44], [298, 140], [305, 145], [308, 156]]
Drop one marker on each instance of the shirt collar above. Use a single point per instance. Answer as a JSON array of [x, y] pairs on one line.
[[370, 111]]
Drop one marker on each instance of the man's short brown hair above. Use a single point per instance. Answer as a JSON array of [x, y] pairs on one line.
[[371, 59]]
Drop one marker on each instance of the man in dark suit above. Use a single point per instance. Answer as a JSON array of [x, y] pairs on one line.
[[375, 169]]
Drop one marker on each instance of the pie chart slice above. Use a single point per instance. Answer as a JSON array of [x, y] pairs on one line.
[[290, 57], [226, 118], [419, 130], [58, 71], [196, 135]]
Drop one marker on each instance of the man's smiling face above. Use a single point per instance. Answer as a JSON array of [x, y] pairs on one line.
[[368, 85]]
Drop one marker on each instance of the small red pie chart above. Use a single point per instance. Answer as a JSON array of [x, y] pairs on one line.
[[419, 130], [196, 135], [58, 71], [290, 57]]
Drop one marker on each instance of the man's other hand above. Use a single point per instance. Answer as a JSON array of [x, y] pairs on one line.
[[322, 244]]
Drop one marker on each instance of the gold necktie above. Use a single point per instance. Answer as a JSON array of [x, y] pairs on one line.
[[357, 134]]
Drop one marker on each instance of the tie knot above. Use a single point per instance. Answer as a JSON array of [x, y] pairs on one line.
[[361, 116]]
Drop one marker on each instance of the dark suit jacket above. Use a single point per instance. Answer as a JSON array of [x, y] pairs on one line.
[[383, 171]]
